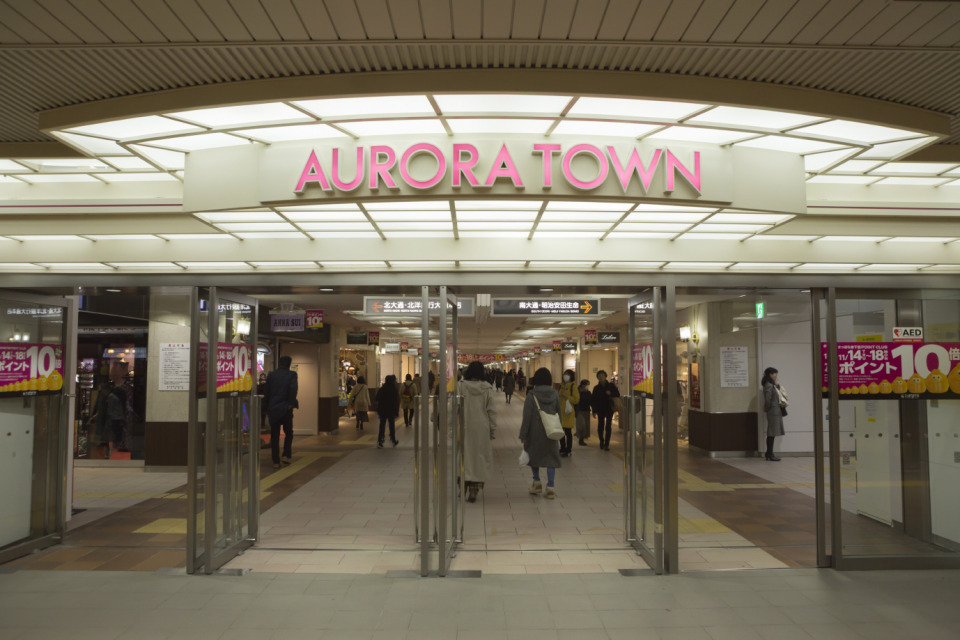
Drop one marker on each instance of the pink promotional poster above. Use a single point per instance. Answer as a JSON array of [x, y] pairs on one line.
[[30, 369], [233, 368], [889, 370]]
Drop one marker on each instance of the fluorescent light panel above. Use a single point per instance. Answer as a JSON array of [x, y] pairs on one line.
[[199, 142], [634, 109], [597, 128], [358, 107], [858, 132], [393, 127], [697, 134], [241, 115], [498, 125], [140, 127], [753, 118], [501, 103], [289, 133]]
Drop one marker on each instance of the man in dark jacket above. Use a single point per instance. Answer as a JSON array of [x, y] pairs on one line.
[[281, 400]]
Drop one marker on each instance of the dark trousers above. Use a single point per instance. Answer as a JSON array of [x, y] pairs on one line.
[[408, 416], [769, 446], [604, 427], [567, 443], [287, 423], [383, 422]]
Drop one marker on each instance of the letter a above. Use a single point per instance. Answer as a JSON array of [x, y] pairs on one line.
[[313, 172], [503, 167]]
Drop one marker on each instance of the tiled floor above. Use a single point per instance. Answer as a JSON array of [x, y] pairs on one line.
[[345, 506], [793, 604]]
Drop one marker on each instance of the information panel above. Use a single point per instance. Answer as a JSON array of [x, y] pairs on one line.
[[174, 366], [888, 370], [545, 307], [734, 367]]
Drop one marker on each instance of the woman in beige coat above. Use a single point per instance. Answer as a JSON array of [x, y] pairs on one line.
[[479, 427], [359, 399]]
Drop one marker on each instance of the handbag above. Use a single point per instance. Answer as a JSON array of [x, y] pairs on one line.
[[782, 395], [551, 423]]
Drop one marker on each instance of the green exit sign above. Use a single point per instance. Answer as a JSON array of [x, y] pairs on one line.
[[761, 309]]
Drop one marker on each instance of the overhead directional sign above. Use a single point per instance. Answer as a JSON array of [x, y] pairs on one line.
[[399, 306], [545, 307]]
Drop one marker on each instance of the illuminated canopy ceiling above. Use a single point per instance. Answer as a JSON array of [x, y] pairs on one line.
[[151, 149]]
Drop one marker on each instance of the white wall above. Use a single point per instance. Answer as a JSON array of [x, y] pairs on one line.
[[787, 348], [16, 468]]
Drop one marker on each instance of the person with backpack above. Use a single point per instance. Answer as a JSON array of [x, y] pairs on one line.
[[409, 393]]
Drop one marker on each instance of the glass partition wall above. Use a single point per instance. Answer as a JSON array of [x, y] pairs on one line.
[[893, 379], [35, 389]]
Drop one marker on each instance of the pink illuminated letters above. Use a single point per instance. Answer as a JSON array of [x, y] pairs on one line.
[[379, 166]]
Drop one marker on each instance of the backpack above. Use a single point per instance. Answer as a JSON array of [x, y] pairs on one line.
[[407, 390]]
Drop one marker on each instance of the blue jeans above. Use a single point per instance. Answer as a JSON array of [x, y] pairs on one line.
[[551, 474]]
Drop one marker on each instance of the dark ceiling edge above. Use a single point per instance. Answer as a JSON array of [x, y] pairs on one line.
[[623, 84], [29, 150], [936, 153]]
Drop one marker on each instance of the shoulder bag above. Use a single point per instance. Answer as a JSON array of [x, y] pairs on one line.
[[551, 422]]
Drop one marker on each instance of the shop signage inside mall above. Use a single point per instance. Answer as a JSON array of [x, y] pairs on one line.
[[399, 306], [608, 337], [545, 307]]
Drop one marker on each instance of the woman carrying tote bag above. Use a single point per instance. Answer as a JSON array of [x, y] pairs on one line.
[[543, 451]]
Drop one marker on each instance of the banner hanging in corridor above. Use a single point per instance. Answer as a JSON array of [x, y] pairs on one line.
[[890, 370]]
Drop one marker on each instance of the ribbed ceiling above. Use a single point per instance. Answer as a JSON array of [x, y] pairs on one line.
[[55, 53]]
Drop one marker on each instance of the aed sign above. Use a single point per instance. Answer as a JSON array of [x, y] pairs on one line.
[[908, 334]]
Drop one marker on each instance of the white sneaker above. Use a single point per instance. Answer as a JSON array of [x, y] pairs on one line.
[[549, 494], [536, 489]]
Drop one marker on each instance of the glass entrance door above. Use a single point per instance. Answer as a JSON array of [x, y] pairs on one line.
[[36, 385], [449, 439], [438, 442], [644, 446], [650, 452], [223, 453]]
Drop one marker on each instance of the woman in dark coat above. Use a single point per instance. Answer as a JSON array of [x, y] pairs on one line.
[[772, 407], [509, 384], [388, 408], [543, 451]]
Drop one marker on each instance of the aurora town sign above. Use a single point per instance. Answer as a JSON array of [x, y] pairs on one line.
[[456, 167], [379, 166]]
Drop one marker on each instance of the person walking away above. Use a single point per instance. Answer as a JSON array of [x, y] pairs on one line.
[[603, 394], [408, 399], [388, 408], [479, 428], [509, 384], [583, 412], [543, 451], [498, 378], [569, 397], [775, 406], [521, 381], [281, 400], [359, 399]]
